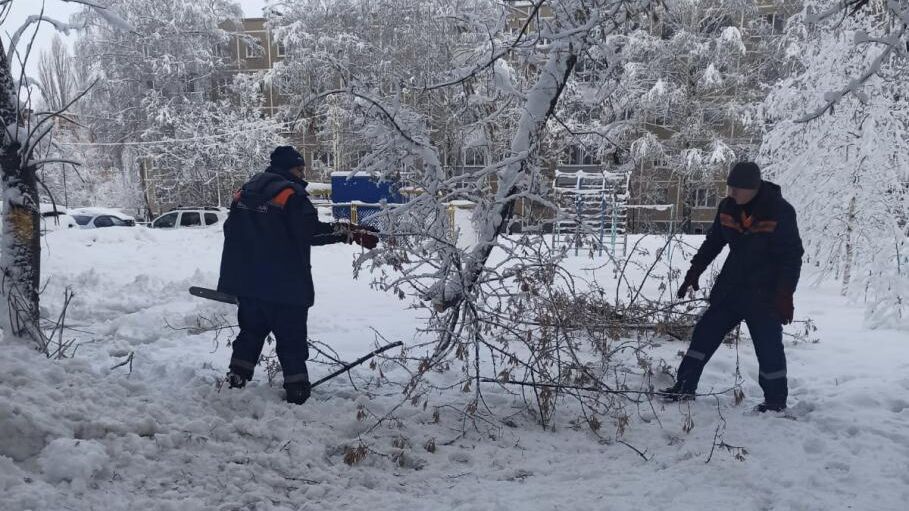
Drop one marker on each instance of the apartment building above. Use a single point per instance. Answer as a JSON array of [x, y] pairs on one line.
[[254, 50]]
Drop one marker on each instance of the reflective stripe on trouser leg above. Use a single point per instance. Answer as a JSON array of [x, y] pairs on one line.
[[291, 341], [295, 378], [697, 355], [242, 364], [773, 376], [708, 334], [767, 334]]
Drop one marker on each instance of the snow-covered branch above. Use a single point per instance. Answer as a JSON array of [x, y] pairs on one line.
[[896, 45]]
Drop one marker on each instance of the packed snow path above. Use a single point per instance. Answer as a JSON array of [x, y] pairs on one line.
[[76, 434]]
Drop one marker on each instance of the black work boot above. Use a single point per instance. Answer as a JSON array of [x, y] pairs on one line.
[[768, 406], [236, 381], [297, 393], [675, 393]]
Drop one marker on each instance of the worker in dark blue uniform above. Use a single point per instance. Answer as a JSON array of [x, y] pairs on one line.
[[266, 265], [756, 283]]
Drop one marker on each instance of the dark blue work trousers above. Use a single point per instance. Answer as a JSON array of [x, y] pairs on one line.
[[766, 333], [257, 319]]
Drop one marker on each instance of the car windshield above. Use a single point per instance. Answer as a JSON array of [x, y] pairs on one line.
[[82, 219]]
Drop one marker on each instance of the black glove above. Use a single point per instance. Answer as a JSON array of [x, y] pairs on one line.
[[784, 306], [691, 281]]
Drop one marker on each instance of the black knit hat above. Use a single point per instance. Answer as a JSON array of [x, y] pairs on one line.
[[745, 174], [286, 157]]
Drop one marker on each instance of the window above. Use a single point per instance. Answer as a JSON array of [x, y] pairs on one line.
[[254, 49], [223, 85], [82, 219], [577, 155], [166, 221], [211, 218], [190, 219], [585, 71], [104, 221], [703, 198], [117, 222], [657, 192], [776, 22], [327, 157], [660, 162], [474, 157], [280, 50]]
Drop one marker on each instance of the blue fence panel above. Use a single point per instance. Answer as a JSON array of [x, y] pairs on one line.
[[364, 188]]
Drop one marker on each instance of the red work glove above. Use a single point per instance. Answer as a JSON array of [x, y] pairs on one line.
[[691, 281], [359, 234], [784, 306], [365, 239]]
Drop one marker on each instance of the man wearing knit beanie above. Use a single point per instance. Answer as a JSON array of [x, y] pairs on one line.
[[265, 263], [756, 283]]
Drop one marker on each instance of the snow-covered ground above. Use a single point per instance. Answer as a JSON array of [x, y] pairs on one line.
[[80, 434]]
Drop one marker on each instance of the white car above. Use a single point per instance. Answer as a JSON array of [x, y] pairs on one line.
[[190, 217], [91, 218], [55, 217]]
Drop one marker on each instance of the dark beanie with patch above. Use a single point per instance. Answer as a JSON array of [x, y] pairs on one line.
[[745, 174], [286, 157]]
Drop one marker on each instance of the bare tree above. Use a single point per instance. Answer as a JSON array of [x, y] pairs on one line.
[[57, 75]]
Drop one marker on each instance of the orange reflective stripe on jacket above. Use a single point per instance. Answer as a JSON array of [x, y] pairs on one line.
[[764, 226], [747, 220], [726, 220], [748, 224], [283, 196]]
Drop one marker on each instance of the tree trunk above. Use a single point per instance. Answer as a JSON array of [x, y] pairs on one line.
[[847, 264], [20, 257], [540, 104]]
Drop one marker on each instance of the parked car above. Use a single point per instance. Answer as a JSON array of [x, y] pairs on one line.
[[90, 218], [55, 217], [190, 217]]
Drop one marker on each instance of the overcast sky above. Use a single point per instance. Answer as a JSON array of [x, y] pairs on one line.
[[61, 10]]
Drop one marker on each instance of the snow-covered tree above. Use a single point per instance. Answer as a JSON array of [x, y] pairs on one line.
[[420, 80], [673, 100], [846, 169], [158, 106], [24, 132], [389, 50]]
